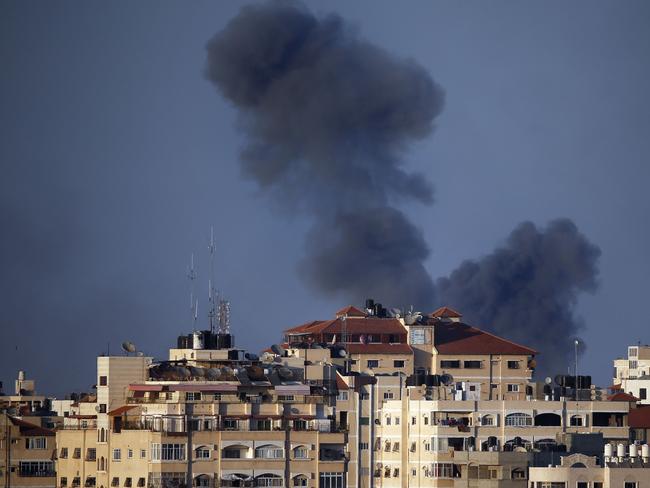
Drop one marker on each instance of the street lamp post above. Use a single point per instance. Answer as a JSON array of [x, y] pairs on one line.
[[576, 342]]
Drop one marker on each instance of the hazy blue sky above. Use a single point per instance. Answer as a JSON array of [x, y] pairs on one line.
[[116, 157]]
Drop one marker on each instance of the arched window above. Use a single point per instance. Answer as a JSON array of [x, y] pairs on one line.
[[102, 435], [518, 420], [101, 464], [576, 421], [518, 474], [269, 452], [300, 480], [301, 452], [268, 479], [202, 452], [202, 480], [488, 420]]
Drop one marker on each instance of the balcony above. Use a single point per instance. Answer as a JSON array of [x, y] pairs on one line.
[[37, 474]]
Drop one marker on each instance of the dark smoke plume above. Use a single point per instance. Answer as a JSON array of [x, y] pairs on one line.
[[328, 117], [527, 290]]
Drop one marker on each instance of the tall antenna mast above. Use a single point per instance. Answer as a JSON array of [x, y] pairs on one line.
[[212, 295], [194, 305]]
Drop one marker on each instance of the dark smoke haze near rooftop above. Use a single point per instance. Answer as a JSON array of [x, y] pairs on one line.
[[527, 289], [328, 118]]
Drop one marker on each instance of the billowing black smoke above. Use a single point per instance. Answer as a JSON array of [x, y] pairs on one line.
[[327, 118], [527, 289]]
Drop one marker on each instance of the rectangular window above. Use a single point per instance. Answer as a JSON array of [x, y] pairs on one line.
[[64, 453], [91, 454], [193, 396], [632, 352], [363, 446], [598, 484], [230, 424], [450, 364], [513, 388], [141, 482], [103, 380], [417, 336], [398, 363], [364, 421], [169, 452], [633, 364], [630, 484], [143, 453], [331, 480], [64, 481], [342, 396], [388, 395], [286, 398], [372, 363], [102, 408], [301, 453], [472, 364], [513, 364], [130, 454], [396, 420], [128, 483], [36, 443], [443, 470], [36, 468], [643, 393], [115, 481], [365, 396], [117, 454], [76, 454]]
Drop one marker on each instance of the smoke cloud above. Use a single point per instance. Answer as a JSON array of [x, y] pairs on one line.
[[527, 290], [328, 117]]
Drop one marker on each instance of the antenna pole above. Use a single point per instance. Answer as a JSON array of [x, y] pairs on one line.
[[212, 296], [191, 275]]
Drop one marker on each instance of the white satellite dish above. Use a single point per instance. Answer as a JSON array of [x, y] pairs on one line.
[[548, 380]]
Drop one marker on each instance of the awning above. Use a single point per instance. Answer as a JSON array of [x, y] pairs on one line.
[[302, 417], [119, 411], [225, 387], [267, 416], [145, 387], [236, 417]]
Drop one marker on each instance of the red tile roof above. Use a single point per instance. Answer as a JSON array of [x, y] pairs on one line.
[[459, 338], [622, 397], [340, 382], [120, 410], [445, 312], [350, 311], [379, 349], [639, 418], [353, 325], [28, 429]]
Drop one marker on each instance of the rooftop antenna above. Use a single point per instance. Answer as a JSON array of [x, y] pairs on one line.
[[224, 316], [194, 305], [212, 294]]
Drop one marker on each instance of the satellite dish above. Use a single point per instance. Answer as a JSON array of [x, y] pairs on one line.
[[140, 354], [342, 353], [128, 346], [285, 373], [277, 350], [226, 371], [97, 409], [255, 373], [548, 380]]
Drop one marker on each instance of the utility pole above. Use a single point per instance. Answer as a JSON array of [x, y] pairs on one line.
[[576, 342]]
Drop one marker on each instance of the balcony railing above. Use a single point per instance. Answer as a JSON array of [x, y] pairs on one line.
[[37, 474]]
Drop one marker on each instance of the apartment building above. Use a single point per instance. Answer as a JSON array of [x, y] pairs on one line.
[[632, 374], [26, 453]]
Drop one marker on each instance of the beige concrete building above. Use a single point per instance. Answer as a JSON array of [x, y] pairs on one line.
[[580, 471], [26, 453], [632, 374]]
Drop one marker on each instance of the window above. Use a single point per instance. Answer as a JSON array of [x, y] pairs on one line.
[[513, 388], [286, 398], [193, 396], [518, 420], [630, 484], [76, 454], [202, 453], [388, 421], [129, 454], [365, 396], [36, 443], [36, 468], [300, 480], [268, 480], [417, 336], [372, 363], [513, 364], [342, 396], [598, 484], [396, 420], [269, 452], [395, 446], [232, 453], [364, 421], [551, 484], [64, 453], [143, 453], [91, 454], [398, 363], [167, 452], [331, 480], [128, 483], [576, 421], [632, 352], [450, 364], [443, 470], [363, 446], [141, 482], [76, 481], [519, 474], [230, 424], [102, 408], [414, 472], [388, 395], [103, 380], [643, 393], [472, 364], [117, 454], [115, 481], [487, 420], [64, 481], [301, 452]]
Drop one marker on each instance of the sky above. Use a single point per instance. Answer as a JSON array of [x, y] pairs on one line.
[[117, 156]]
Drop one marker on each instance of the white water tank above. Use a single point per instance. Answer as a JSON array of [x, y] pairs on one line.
[[609, 450], [634, 450], [645, 452], [620, 450], [21, 376], [197, 340]]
